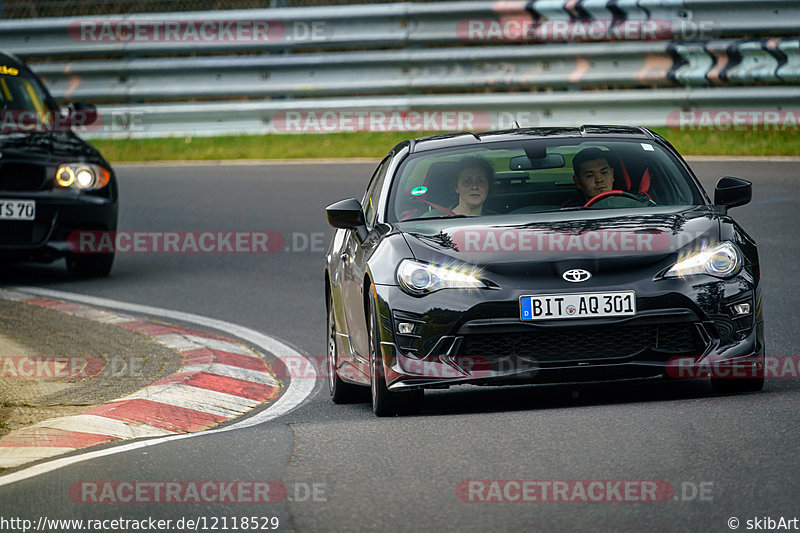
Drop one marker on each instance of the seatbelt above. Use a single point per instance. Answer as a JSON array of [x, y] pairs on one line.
[[625, 174], [446, 211]]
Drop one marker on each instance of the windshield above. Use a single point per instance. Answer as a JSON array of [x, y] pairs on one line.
[[532, 176], [23, 101]]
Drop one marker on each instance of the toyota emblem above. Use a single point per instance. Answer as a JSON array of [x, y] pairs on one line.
[[576, 275]]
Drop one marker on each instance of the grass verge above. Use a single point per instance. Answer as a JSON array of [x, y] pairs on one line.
[[376, 144]]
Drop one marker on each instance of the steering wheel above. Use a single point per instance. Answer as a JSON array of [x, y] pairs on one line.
[[615, 192]]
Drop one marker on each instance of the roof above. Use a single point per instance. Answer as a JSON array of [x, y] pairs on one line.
[[469, 138]]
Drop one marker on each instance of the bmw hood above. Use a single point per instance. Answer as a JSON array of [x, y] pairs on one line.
[[46, 147], [610, 240]]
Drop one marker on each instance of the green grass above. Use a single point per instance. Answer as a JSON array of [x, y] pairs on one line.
[[747, 142], [375, 145]]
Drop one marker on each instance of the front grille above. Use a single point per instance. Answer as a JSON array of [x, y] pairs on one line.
[[18, 233], [21, 176], [582, 344]]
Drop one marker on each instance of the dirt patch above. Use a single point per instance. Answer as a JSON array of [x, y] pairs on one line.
[[53, 364]]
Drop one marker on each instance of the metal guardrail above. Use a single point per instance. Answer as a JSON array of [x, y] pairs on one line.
[[670, 55], [401, 24], [474, 112], [499, 68]]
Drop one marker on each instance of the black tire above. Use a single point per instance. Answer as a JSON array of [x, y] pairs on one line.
[[90, 265], [384, 401], [341, 391]]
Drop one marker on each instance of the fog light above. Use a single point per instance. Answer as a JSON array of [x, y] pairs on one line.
[[406, 328], [742, 309]]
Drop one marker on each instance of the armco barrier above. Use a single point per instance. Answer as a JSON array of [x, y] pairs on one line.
[[499, 68], [475, 112], [554, 61]]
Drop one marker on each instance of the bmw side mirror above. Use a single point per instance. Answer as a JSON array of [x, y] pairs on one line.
[[732, 192], [347, 214], [81, 114]]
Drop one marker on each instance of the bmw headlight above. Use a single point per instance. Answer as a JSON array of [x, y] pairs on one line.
[[420, 278], [722, 261], [81, 176]]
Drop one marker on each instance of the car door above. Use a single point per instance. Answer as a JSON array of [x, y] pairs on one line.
[[354, 259]]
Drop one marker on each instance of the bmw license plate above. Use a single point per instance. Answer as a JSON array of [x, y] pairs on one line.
[[17, 209], [577, 305]]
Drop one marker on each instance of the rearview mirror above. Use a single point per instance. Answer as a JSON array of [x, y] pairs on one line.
[[81, 114], [732, 192], [538, 163]]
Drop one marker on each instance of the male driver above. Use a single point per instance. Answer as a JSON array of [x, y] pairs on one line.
[[594, 174]]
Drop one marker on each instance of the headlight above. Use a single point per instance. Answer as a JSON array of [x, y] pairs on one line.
[[722, 261], [82, 176], [419, 278]]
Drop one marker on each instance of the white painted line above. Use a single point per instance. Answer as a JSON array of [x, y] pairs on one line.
[[15, 296], [204, 400], [296, 393], [100, 425], [12, 456], [184, 343], [229, 371]]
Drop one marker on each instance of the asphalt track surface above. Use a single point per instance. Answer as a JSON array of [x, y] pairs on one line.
[[401, 474]]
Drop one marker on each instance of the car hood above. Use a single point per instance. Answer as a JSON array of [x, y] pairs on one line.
[[47, 147], [610, 240]]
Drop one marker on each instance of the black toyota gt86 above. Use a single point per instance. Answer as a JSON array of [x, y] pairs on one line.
[[52, 183], [535, 256]]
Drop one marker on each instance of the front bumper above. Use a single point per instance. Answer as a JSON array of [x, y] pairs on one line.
[[476, 337], [57, 216]]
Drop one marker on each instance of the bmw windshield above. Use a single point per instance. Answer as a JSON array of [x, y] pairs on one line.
[[24, 104]]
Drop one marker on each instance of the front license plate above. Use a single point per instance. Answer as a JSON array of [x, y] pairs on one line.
[[577, 305], [17, 209]]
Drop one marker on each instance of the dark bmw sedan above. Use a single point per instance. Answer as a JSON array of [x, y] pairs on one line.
[[52, 183], [539, 256]]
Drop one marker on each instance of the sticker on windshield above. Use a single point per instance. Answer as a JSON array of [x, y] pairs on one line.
[[648, 147], [11, 71], [419, 191]]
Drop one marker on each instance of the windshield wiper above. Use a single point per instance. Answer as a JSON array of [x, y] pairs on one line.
[[436, 218], [561, 209]]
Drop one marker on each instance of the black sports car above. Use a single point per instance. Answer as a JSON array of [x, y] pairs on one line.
[[52, 183], [538, 255]]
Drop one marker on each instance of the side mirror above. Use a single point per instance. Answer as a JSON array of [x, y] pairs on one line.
[[347, 214], [732, 192], [81, 114]]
